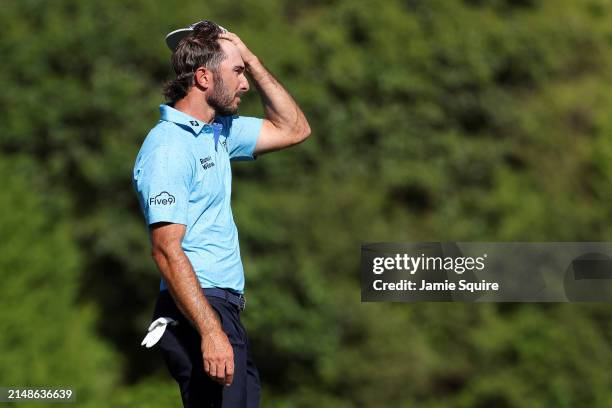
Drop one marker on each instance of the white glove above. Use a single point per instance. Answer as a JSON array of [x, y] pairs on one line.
[[156, 330]]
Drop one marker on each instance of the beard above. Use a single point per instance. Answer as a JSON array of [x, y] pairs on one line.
[[221, 99]]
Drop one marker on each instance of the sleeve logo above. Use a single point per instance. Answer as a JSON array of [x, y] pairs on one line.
[[163, 198]]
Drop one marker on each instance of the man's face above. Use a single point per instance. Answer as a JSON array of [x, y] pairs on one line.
[[229, 82]]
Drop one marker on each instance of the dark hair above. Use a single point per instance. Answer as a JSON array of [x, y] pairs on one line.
[[199, 48]]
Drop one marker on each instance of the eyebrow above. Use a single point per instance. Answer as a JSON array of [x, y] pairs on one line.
[[239, 68]]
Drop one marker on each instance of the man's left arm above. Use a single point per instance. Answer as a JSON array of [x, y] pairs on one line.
[[284, 122]]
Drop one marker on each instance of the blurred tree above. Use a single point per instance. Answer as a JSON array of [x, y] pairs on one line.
[[47, 339], [432, 120]]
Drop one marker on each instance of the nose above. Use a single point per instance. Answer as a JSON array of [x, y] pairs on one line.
[[244, 83]]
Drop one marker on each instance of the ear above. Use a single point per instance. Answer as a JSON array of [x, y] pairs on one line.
[[203, 78]]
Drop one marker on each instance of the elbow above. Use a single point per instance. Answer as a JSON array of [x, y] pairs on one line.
[[158, 255], [306, 130], [163, 260], [302, 132], [162, 254]]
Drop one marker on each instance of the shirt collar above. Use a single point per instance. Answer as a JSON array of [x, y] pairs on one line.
[[170, 114]]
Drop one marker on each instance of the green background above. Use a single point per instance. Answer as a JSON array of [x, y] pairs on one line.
[[433, 120]]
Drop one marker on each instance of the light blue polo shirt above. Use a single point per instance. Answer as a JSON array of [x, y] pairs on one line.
[[182, 175]]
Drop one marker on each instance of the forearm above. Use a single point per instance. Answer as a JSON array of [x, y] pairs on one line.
[[279, 106], [184, 287]]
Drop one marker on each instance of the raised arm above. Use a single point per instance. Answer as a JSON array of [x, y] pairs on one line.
[[184, 287], [284, 123]]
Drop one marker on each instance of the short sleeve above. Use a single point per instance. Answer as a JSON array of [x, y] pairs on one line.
[[163, 180], [242, 134]]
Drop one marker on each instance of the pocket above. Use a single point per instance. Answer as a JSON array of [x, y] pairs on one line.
[[179, 353], [165, 307], [229, 320]]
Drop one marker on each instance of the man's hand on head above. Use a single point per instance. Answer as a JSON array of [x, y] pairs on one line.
[[247, 56]]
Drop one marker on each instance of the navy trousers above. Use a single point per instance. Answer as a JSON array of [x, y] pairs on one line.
[[181, 349]]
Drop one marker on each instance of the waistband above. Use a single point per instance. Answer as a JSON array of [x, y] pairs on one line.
[[235, 299]]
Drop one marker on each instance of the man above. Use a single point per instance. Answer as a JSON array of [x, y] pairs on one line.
[[182, 177]]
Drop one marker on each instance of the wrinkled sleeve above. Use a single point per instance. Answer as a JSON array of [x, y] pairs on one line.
[[242, 135], [163, 180]]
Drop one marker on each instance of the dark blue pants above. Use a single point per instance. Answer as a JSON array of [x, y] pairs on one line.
[[181, 349]]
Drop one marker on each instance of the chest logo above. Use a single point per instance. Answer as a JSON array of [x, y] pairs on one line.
[[207, 163]]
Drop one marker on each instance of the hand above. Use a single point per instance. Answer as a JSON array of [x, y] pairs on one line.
[[247, 56], [218, 357]]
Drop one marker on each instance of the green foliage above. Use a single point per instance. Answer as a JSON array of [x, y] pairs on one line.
[[148, 394], [47, 337], [432, 120]]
